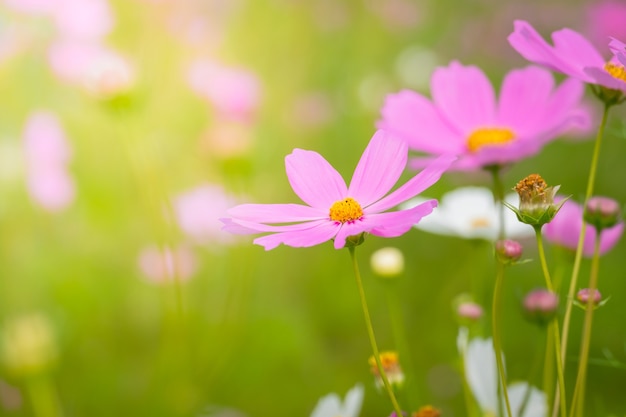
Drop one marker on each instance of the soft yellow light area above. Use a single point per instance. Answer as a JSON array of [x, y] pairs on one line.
[[489, 136], [346, 210], [616, 71]]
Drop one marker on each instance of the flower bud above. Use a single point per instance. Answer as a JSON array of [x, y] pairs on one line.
[[470, 311], [387, 262], [602, 212], [391, 367], [508, 251], [584, 295], [427, 411], [536, 206], [541, 305]]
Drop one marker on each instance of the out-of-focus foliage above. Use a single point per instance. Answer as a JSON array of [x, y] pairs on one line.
[[158, 115]]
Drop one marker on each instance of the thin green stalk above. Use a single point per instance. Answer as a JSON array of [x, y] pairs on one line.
[[370, 333], [498, 196], [579, 249], [399, 334], [548, 367], [495, 313], [43, 397], [578, 400], [554, 326]]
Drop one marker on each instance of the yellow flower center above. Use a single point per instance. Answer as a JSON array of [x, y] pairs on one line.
[[346, 210], [427, 411], [488, 136], [616, 71]]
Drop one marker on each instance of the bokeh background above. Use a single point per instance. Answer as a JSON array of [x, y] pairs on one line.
[[162, 114]]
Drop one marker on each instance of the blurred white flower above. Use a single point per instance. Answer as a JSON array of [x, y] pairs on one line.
[[481, 373], [108, 75], [332, 406], [470, 213]]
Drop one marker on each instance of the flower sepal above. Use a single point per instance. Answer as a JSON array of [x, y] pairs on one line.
[[538, 216], [355, 240], [608, 96]]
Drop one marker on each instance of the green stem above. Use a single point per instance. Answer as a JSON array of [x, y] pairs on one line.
[[578, 400], [554, 326], [43, 397], [579, 249], [397, 325], [495, 313], [498, 196], [370, 333]]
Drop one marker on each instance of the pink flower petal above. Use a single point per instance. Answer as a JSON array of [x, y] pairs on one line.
[[350, 229], [413, 117], [319, 233], [575, 48], [379, 168], [313, 179], [465, 96], [529, 44], [247, 227], [600, 76], [522, 92], [399, 222], [414, 186], [277, 213]]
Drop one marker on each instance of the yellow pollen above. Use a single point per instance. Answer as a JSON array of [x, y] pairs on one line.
[[488, 136], [616, 71], [346, 210]]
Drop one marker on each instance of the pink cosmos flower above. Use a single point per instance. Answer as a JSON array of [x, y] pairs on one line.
[[464, 118], [335, 211], [47, 153], [234, 92], [571, 54], [197, 211], [564, 230], [605, 19]]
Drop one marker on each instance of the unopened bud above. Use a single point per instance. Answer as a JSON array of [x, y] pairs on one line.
[[508, 251], [387, 262], [391, 366], [602, 212], [585, 294], [536, 201], [470, 310], [541, 305], [427, 411]]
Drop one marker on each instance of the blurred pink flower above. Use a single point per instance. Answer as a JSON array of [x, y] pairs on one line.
[[464, 118], [572, 54], [234, 92], [198, 211], [34, 7], [564, 230], [51, 188], [82, 19], [605, 19], [167, 265], [227, 139], [47, 153], [335, 211], [45, 142]]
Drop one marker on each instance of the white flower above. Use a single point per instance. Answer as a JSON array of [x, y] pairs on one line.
[[469, 212], [331, 405], [481, 374]]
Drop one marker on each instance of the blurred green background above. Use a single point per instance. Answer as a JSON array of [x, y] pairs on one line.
[[266, 333]]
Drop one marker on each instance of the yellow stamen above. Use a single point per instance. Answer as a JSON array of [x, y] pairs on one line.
[[616, 71], [346, 210], [427, 411], [489, 136]]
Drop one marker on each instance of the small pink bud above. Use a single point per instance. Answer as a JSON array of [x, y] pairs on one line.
[[508, 251], [470, 310], [584, 295], [541, 305], [602, 212]]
